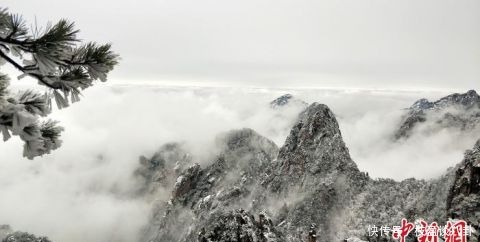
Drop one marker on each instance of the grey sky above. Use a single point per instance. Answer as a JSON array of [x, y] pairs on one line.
[[278, 43]]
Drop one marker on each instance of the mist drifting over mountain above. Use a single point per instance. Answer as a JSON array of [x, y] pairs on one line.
[[93, 198]]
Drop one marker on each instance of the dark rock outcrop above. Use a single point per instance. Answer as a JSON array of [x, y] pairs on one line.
[[461, 111]]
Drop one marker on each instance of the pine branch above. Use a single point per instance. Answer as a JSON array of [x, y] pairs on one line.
[[17, 27], [22, 69], [53, 58]]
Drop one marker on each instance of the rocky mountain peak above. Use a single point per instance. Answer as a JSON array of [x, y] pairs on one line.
[[314, 164], [285, 100], [315, 123], [315, 144]]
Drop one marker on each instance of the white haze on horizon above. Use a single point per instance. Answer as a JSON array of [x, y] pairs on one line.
[[369, 43], [82, 191]]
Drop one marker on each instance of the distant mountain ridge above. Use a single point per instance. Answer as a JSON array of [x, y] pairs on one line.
[[461, 111], [468, 100]]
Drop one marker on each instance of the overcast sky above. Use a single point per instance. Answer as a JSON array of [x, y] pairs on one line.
[[407, 44]]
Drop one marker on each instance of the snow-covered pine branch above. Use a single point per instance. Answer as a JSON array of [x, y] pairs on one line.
[[57, 59]]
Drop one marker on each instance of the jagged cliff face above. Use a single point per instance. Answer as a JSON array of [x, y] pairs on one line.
[[459, 111]]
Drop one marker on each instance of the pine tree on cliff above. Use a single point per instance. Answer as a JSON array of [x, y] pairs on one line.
[[55, 58]]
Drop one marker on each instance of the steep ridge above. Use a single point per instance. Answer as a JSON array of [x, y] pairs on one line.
[[460, 111]]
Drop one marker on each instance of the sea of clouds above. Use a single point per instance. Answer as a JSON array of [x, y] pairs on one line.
[[83, 191]]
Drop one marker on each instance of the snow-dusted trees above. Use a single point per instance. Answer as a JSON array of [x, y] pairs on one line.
[[55, 58]]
